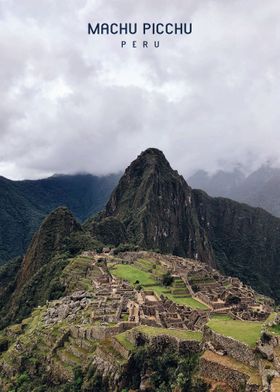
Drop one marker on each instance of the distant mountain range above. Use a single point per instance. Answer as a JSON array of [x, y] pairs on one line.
[[24, 204], [259, 189]]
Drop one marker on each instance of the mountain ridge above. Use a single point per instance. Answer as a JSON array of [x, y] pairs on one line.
[[24, 205]]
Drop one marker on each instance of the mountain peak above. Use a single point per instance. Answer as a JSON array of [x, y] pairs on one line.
[[152, 153], [152, 207], [48, 240], [152, 157]]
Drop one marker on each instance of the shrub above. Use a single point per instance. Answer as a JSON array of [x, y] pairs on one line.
[[167, 279], [125, 248]]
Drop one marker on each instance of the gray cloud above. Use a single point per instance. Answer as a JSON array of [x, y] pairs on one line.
[[70, 102]]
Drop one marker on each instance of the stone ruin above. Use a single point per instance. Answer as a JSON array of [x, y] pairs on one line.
[[114, 306]]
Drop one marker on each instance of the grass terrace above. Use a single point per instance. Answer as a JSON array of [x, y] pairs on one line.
[[155, 331], [122, 339], [132, 274], [245, 331]]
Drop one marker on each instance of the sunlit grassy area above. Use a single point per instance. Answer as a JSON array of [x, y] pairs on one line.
[[245, 331], [218, 316], [122, 339], [133, 274]]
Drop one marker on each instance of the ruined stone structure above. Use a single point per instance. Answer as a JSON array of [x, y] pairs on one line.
[[114, 307]]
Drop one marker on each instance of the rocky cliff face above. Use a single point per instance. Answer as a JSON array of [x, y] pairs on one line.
[[245, 240], [154, 205], [155, 208]]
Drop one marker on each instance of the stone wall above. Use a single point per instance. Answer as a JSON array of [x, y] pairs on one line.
[[237, 350], [235, 379], [100, 332], [204, 298], [107, 366], [120, 348], [160, 342]]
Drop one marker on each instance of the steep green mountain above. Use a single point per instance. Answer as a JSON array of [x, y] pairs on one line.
[[155, 208], [152, 207], [245, 241], [35, 279], [24, 204]]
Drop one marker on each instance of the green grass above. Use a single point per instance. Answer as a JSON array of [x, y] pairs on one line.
[[132, 274], [275, 329], [122, 339], [178, 333], [271, 317], [245, 331], [218, 316], [124, 316], [187, 300]]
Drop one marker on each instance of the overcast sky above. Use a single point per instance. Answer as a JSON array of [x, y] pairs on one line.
[[70, 102]]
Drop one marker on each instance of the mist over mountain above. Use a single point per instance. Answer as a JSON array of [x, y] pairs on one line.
[[261, 188], [24, 204]]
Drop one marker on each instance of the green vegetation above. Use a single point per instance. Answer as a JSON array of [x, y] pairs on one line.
[[188, 301], [271, 317], [167, 369], [167, 279], [125, 248], [122, 338], [76, 274], [24, 204], [8, 273], [245, 331], [35, 292], [80, 241], [133, 274], [275, 329], [218, 316]]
